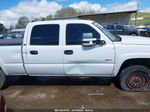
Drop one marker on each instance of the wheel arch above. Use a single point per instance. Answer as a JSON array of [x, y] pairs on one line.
[[133, 61], [3, 68], [134, 33]]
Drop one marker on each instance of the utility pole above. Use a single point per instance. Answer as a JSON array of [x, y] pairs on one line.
[[136, 14]]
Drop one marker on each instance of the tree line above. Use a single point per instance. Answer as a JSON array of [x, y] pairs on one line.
[[64, 12]]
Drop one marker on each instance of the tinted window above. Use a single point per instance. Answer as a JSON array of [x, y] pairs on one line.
[[119, 27], [45, 35], [110, 27], [75, 32]]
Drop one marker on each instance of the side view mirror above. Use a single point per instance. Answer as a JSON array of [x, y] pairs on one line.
[[92, 42], [89, 42], [102, 42]]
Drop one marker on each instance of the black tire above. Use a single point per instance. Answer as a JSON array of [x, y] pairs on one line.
[[135, 78], [3, 80]]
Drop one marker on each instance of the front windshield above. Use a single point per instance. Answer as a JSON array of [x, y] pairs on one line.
[[111, 36]]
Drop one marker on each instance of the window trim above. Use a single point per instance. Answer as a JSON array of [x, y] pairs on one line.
[[44, 25], [121, 26], [109, 27]]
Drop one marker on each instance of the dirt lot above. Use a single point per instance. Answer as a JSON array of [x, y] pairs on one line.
[[68, 94]]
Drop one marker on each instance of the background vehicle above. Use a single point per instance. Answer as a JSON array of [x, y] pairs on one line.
[[19, 33], [126, 30], [77, 48], [143, 31], [1, 36], [121, 29], [8, 36], [146, 25]]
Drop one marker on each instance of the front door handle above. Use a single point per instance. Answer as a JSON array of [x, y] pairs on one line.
[[68, 52], [34, 52]]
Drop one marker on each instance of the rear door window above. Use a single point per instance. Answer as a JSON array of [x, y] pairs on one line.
[[110, 27], [119, 27], [45, 35]]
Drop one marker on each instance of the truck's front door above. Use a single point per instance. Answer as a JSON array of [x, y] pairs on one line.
[[43, 54], [82, 60]]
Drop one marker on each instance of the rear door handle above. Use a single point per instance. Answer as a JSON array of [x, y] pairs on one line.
[[68, 52], [34, 52]]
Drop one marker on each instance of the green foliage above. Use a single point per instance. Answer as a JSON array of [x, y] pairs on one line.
[[144, 15]]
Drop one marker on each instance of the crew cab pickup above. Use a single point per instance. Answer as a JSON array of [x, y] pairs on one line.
[[77, 48]]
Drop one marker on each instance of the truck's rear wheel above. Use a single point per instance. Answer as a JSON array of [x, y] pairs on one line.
[[2, 79], [135, 78]]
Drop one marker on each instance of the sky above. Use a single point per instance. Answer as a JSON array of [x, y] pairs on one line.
[[11, 10]]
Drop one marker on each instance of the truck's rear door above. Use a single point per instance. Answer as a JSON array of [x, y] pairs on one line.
[[43, 53]]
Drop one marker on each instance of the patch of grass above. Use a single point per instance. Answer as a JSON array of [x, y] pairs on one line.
[[144, 15], [140, 22]]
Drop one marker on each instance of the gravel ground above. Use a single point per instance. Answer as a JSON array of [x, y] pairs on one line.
[[47, 93]]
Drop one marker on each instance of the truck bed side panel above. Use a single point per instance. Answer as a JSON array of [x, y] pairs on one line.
[[11, 60]]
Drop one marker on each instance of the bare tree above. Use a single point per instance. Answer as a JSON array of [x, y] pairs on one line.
[[71, 12], [22, 22], [2, 28], [49, 17], [66, 12], [36, 19]]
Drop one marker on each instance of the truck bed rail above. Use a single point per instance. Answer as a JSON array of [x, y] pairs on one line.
[[10, 42]]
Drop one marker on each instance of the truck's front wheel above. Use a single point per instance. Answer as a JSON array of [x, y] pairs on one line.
[[2, 79], [135, 78]]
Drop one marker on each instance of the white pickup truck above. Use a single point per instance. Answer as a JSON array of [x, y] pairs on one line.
[[77, 48]]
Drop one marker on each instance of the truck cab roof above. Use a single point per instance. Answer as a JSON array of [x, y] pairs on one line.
[[61, 21]]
